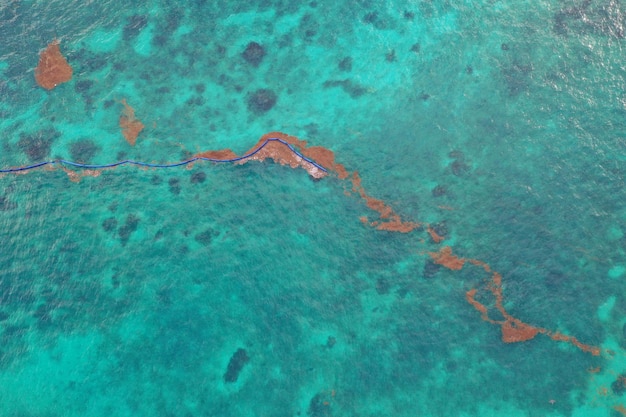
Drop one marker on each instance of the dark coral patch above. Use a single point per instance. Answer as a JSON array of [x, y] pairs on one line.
[[37, 145], [319, 406], [198, 177], [134, 26], [83, 150], [308, 27], [346, 64], [331, 341], [205, 238], [261, 100], [456, 154], [253, 54], [518, 78], [6, 204], [174, 184], [382, 286], [376, 20], [354, 90], [459, 168], [440, 228], [619, 385], [128, 228], [83, 86], [109, 224], [430, 269], [439, 190], [235, 365]]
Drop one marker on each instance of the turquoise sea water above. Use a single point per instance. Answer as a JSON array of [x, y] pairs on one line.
[[256, 291]]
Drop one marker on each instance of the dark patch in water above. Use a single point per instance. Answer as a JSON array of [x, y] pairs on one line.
[[235, 365], [134, 26]]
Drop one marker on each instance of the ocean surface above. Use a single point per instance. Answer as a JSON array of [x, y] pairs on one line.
[[253, 290]]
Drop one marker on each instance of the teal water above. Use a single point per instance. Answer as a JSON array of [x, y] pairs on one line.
[[129, 294]]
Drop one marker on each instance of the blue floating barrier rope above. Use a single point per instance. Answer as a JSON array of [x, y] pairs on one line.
[[172, 165]]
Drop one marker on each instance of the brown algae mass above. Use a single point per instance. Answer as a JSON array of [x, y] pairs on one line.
[[291, 151], [131, 126], [53, 68], [277, 151], [445, 258]]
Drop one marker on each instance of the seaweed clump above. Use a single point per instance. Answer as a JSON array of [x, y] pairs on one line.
[[131, 126], [53, 68]]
